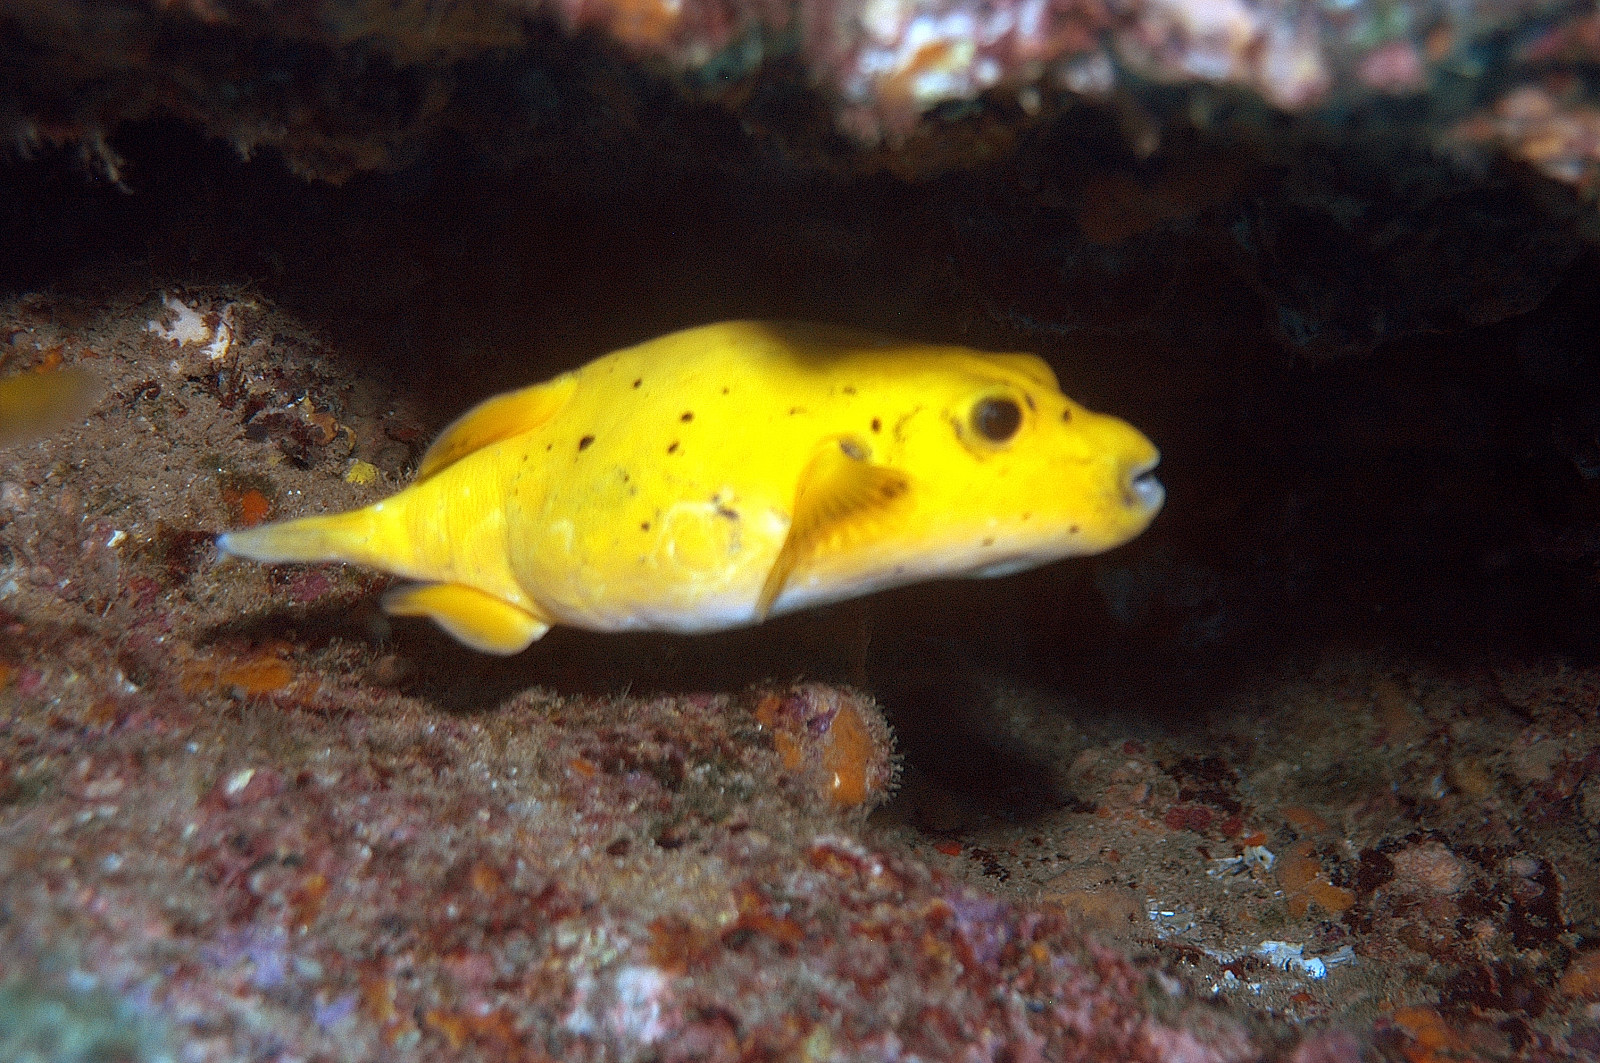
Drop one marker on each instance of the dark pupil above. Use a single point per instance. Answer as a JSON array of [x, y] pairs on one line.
[[997, 420]]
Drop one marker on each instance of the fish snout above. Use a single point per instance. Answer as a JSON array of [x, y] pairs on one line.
[[1141, 491]]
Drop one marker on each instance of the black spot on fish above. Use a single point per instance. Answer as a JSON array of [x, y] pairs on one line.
[[1029, 400], [724, 391], [1073, 530], [849, 389], [644, 525], [548, 447], [624, 475], [672, 448], [1066, 414], [583, 444], [1027, 516], [988, 540], [687, 416], [638, 382], [877, 425], [724, 511], [853, 449], [794, 410]]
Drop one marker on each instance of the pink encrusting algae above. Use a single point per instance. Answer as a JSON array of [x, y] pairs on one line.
[[556, 878]]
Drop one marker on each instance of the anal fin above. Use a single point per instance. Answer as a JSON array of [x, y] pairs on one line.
[[840, 492], [480, 620]]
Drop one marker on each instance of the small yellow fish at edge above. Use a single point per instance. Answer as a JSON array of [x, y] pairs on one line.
[[34, 404]]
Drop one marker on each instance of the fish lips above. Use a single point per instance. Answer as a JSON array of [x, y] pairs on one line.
[[1141, 491]]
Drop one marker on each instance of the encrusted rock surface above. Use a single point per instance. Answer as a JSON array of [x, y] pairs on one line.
[[343, 86]]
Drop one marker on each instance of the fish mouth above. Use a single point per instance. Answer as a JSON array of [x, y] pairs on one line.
[[1141, 491]]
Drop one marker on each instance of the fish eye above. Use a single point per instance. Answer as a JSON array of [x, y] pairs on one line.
[[996, 419]]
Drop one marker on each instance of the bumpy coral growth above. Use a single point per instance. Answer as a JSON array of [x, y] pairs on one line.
[[693, 30], [834, 743], [1556, 132], [882, 64], [891, 60], [887, 62]]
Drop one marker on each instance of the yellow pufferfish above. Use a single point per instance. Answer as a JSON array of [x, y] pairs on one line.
[[716, 476]]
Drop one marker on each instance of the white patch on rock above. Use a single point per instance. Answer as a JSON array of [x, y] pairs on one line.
[[183, 325]]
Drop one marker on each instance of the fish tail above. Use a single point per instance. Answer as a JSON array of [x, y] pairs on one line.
[[334, 537]]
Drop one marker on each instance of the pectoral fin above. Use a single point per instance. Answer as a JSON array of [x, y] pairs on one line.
[[841, 493], [496, 419], [482, 621]]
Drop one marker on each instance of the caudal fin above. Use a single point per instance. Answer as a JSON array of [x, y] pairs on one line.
[[335, 537]]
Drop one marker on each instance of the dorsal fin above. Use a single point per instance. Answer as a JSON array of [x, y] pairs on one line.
[[496, 419], [839, 491]]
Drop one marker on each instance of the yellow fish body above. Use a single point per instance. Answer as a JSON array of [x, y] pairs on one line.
[[715, 476]]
